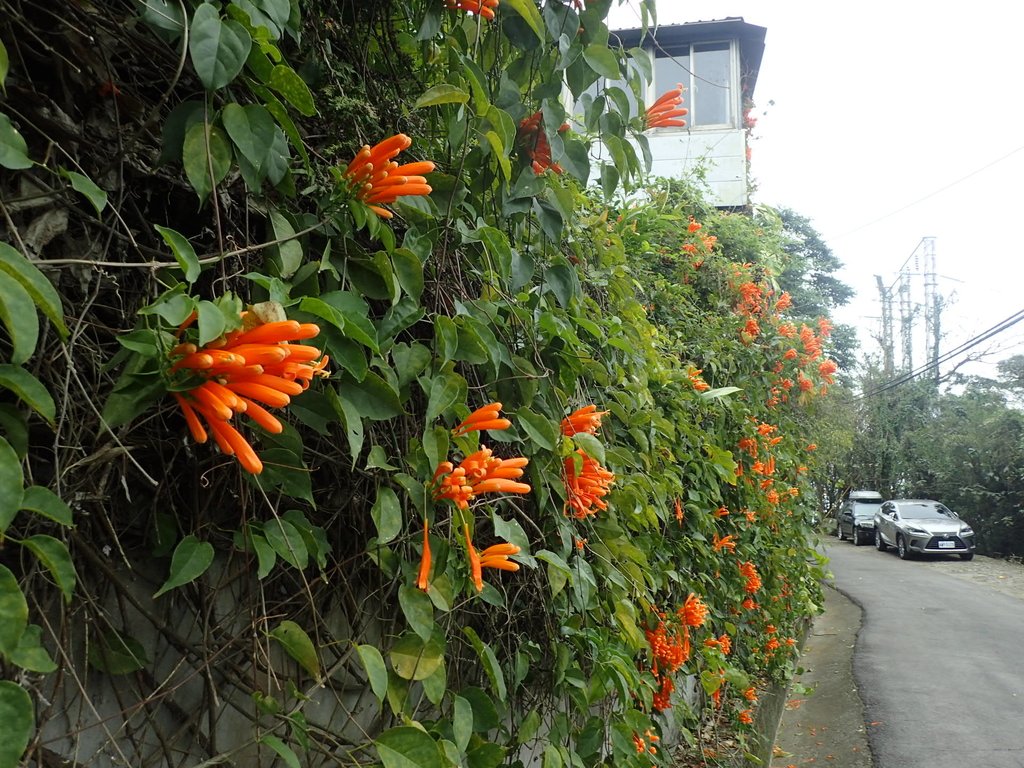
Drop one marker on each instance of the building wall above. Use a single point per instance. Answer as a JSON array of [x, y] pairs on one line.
[[721, 153]]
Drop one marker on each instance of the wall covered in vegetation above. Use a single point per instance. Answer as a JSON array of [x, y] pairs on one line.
[[342, 423]]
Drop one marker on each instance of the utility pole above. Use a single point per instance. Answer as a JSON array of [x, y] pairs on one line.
[[932, 308], [906, 322], [885, 296]]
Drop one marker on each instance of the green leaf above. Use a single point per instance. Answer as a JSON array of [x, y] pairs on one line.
[[462, 722], [373, 397], [35, 283], [183, 252], [444, 93], [297, 644], [283, 750], [13, 426], [17, 721], [5, 64], [13, 613], [719, 392], [408, 747], [29, 390], [190, 560], [218, 48], [18, 314], [490, 662], [418, 610], [287, 82], [87, 187], [414, 658], [287, 541], [30, 653], [252, 130], [13, 149], [538, 428], [265, 556], [528, 10], [54, 556], [348, 312], [446, 389], [498, 248], [11, 484], [387, 515], [206, 155], [163, 14], [376, 669], [289, 252], [117, 654], [591, 446], [409, 271], [602, 60], [211, 321]]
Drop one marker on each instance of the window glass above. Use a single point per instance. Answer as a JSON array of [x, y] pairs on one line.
[[711, 92], [669, 72]]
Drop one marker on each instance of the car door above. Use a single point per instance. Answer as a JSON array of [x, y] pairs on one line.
[[885, 522]]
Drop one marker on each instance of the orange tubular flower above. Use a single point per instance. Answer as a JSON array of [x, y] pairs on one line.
[[236, 374], [478, 473], [377, 180], [482, 418], [535, 143], [665, 112], [484, 8], [745, 717], [694, 611], [585, 491], [727, 543], [496, 556], [422, 579], [586, 419]]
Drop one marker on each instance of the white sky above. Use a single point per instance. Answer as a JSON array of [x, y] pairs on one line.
[[888, 122]]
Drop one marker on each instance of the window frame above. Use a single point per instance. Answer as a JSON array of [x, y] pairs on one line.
[[735, 108]]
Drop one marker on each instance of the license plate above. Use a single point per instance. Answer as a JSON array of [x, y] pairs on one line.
[[947, 545]]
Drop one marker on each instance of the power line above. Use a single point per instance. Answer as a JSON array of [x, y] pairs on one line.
[[996, 329], [931, 194]]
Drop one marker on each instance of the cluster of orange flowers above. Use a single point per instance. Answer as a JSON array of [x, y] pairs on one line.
[[588, 484], [670, 646], [728, 543], [484, 8], [241, 372], [642, 746], [723, 643], [480, 472], [694, 374], [374, 178], [749, 571], [665, 112], [536, 145], [703, 246]]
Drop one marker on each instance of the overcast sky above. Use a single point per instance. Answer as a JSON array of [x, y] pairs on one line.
[[885, 123]]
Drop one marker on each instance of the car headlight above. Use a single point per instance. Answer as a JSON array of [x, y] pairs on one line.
[[966, 532], [918, 531]]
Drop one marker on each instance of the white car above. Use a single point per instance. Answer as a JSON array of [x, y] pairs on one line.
[[922, 526]]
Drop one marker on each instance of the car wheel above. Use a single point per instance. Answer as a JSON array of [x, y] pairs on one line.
[[840, 533], [856, 538], [879, 544], [901, 548], [967, 556]]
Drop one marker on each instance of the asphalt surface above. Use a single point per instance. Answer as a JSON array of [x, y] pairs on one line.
[[935, 661]]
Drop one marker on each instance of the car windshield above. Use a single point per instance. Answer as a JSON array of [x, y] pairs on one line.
[[866, 508], [926, 512]]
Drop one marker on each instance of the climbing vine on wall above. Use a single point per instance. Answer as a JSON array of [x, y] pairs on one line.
[[362, 400]]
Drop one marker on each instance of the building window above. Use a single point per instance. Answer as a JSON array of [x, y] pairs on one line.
[[705, 70]]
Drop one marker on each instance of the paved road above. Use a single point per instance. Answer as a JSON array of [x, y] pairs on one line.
[[938, 661]]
